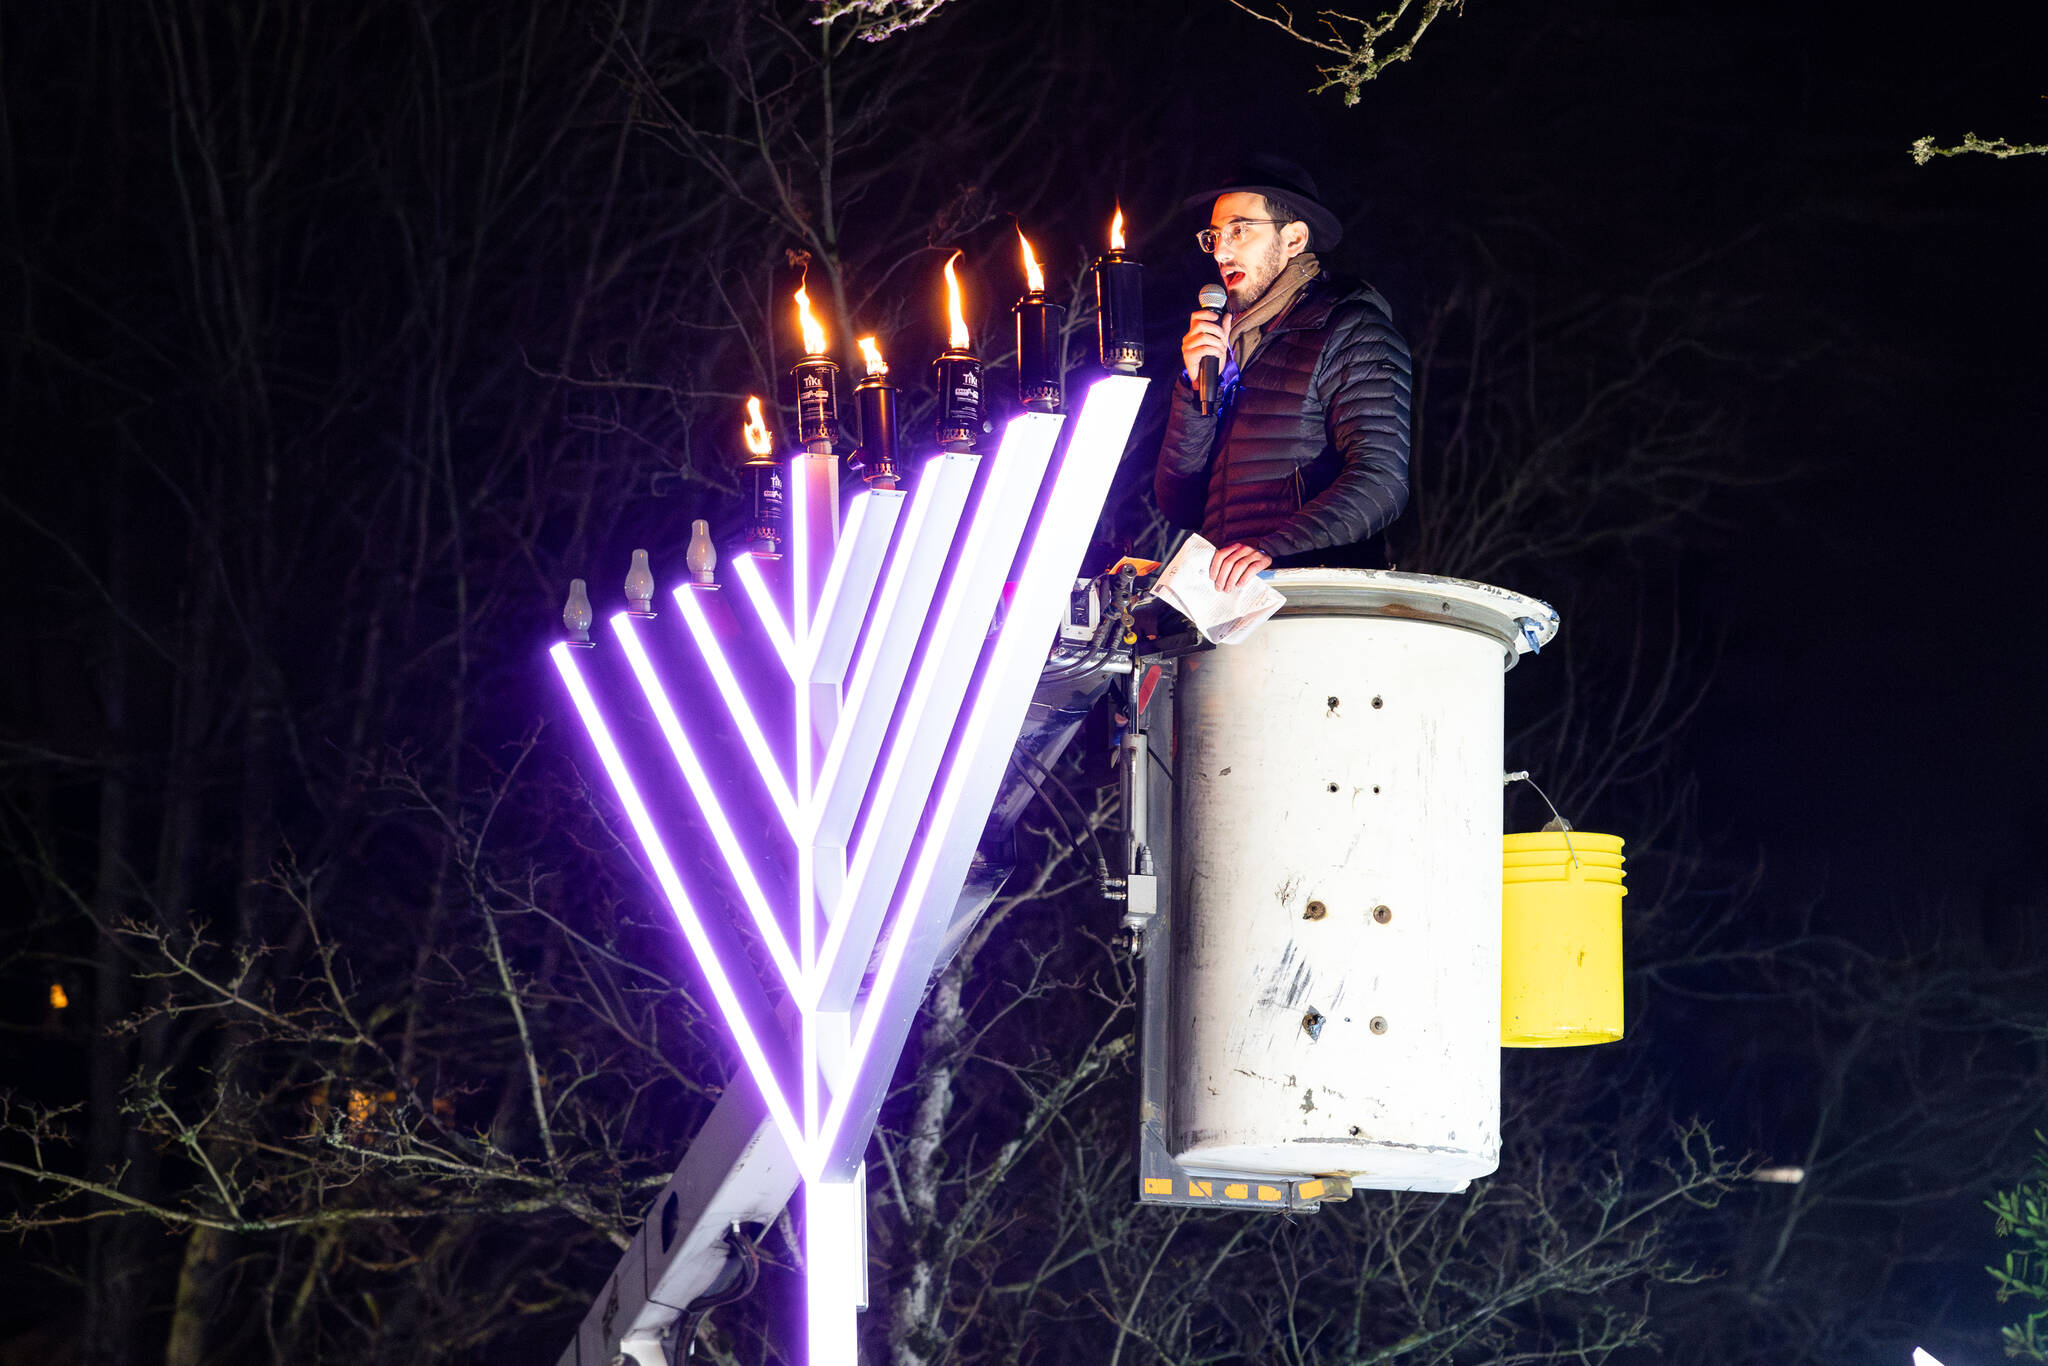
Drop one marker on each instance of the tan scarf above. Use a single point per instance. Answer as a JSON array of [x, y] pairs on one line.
[[1247, 327]]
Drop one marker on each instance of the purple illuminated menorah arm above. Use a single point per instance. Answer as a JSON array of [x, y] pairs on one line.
[[725, 991], [738, 861], [991, 720], [945, 701], [929, 711]]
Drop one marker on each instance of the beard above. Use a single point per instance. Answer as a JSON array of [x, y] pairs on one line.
[[1259, 276]]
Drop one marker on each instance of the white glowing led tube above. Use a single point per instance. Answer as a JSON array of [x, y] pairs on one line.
[[850, 586], [722, 832], [723, 990], [736, 703], [990, 726], [747, 569], [900, 611], [953, 641]]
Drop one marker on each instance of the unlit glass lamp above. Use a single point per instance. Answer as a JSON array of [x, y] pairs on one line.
[[702, 557], [640, 586], [576, 614]]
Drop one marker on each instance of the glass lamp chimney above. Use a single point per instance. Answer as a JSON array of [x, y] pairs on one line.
[[576, 614], [640, 586], [702, 557]]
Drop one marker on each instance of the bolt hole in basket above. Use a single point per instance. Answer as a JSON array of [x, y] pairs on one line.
[[1561, 897]]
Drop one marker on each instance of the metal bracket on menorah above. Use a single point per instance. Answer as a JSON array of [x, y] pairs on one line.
[[863, 717]]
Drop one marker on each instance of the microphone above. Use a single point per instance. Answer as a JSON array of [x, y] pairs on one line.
[[1212, 298]]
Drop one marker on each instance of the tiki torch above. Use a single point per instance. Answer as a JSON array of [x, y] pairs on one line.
[[1119, 304], [1041, 353], [817, 385], [874, 399], [763, 479], [959, 376], [814, 492]]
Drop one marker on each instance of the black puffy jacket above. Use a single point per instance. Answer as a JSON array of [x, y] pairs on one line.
[[1307, 457]]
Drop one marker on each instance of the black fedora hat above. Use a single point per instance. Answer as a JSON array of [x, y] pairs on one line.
[[1279, 178]]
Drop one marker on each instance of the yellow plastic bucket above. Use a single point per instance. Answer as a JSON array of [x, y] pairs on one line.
[[1542, 858], [1560, 979]]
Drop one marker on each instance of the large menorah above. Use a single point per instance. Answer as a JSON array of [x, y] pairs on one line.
[[869, 696]]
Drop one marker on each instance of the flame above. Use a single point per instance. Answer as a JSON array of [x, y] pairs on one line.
[[59, 998], [813, 330], [954, 317], [1034, 278], [872, 354], [755, 429], [1116, 230]]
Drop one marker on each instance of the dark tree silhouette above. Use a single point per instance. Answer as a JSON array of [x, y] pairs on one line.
[[340, 339]]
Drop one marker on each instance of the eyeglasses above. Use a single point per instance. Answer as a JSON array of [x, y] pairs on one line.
[[1232, 232]]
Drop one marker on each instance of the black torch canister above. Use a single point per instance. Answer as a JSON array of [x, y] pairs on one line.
[[874, 401], [1041, 345], [1119, 304], [762, 478], [959, 381], [817, 403], [958, 374], [1040, 353]]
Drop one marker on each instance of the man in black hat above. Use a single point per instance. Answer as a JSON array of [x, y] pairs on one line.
[[1303, 459]]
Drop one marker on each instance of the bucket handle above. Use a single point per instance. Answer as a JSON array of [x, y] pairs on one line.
[[1521, 775]]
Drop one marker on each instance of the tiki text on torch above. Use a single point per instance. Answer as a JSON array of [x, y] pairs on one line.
[[1041, 350], [763, 480], [874, 399], [817, 385], [1119, 304], [958, 372]]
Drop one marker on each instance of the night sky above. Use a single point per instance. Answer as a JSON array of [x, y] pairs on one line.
[[1867, 607], [1873, 728]]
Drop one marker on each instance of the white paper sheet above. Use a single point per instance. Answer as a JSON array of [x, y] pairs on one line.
[[1222, 618]]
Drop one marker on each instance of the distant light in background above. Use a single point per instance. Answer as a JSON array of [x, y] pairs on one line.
[[59, 998], [1779, 1176], [362, 1106]]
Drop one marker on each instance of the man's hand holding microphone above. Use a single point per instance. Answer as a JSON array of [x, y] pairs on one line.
[[1202, 351], [1203, 348]]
